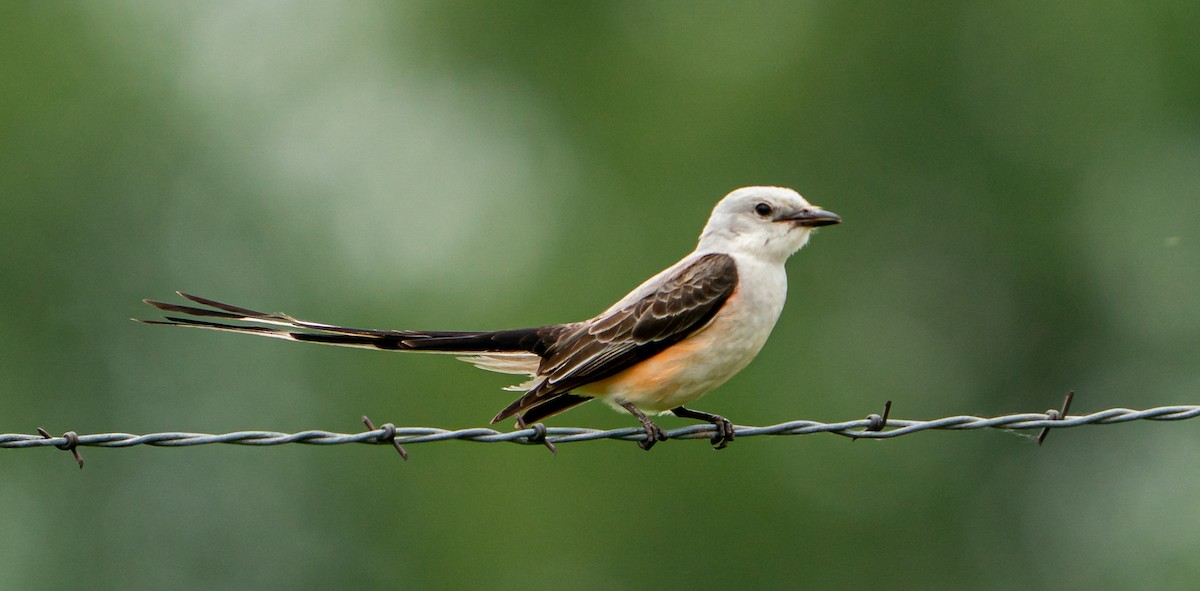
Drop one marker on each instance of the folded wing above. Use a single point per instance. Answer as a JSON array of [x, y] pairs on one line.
[[683, 302]]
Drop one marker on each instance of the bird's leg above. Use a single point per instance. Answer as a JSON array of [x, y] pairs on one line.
[[724, 427], [654, 433]]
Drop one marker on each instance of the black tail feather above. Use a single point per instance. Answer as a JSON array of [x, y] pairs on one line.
[[531, 340], [226, 307]]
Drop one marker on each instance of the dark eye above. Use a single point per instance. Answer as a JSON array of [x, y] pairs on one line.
[[763, 209]]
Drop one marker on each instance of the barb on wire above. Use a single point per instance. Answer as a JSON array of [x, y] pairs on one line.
[[872, 427], [71, 442], [389, 436], [1056, 415]]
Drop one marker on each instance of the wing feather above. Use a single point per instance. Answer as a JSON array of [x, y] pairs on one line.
[[682, 303]]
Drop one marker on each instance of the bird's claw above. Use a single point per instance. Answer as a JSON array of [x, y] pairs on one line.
[[654, 434], [725, 432], [724, 428]]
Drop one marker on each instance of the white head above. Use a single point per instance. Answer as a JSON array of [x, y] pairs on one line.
[[771, 223]]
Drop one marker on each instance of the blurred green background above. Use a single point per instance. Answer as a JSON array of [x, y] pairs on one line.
[[1021, 188]]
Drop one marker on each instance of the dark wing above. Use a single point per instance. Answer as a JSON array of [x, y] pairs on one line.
[[684, 303]]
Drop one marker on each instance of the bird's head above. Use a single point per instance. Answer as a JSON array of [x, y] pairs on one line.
[[768, 222]]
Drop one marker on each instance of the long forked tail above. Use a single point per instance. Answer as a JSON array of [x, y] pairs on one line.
[[281, 326]]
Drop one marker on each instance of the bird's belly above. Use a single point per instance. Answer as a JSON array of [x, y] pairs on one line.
[[688, 369]]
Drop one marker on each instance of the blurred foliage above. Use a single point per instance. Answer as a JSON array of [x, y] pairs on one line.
[[1021, 188]]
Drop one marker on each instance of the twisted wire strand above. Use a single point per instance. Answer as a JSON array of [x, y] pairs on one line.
[[872, 427]]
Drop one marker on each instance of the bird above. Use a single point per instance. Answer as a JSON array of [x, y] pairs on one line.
[[677, 336]]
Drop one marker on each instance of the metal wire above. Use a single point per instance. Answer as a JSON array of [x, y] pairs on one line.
[[872, 427]]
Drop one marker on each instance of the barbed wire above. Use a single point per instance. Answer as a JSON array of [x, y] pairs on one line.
[[872, 427]]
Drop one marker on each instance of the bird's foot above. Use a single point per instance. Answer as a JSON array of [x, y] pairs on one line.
[[654, 433], [725, 430], [725, 433]]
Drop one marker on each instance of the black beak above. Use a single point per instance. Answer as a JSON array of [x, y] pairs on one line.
[[813, 217]]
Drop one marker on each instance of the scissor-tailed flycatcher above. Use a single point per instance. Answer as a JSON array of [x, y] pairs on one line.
[[673, 338]]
